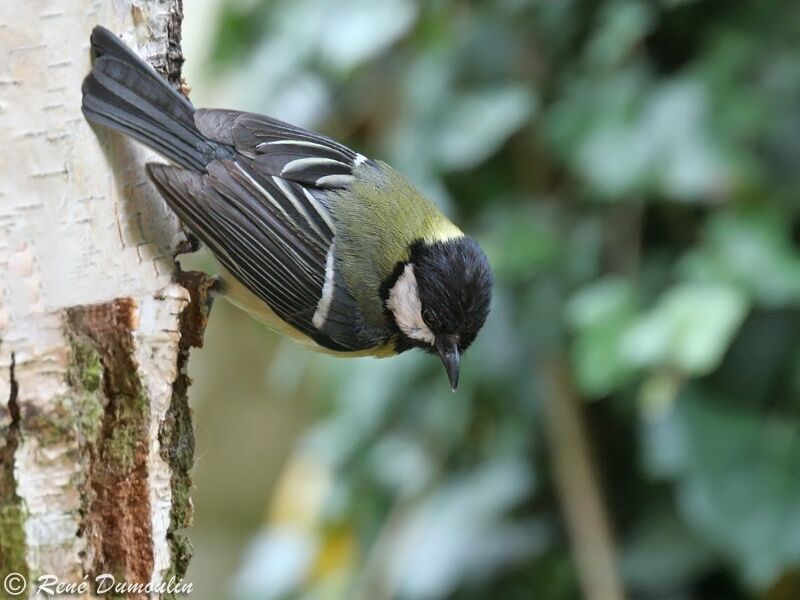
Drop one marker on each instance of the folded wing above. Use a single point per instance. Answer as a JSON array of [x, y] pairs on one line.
[[277, 238], [280, 149]]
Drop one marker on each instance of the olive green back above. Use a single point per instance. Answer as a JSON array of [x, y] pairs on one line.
[[377, 220]]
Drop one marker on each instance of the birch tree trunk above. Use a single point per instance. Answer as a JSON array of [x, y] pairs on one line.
[[96, 320]]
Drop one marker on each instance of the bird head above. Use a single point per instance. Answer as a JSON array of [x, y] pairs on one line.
[[439, 299]]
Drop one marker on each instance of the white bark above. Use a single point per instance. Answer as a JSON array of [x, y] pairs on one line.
[[94, 441]]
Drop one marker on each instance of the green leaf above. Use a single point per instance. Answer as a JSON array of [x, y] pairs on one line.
[[622, 25], [688, 330], [463, 531], [739, 485], [663, 147], [354, 31], [600, 314], [476, 124], [521, 243], [753, 250]]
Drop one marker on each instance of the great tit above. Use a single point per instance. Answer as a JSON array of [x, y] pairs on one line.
[[317, 241]]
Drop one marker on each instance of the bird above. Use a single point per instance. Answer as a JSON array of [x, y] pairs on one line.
[[316, 241]]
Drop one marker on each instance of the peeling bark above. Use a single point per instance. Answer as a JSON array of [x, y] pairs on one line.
[[96, 320]]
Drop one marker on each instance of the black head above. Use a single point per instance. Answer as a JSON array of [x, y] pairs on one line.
[[439, 300]]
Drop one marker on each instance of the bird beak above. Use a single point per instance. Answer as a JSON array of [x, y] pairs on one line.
[[447, 347]]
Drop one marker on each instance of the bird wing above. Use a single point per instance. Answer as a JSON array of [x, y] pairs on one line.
[[276, 237], [280, 149]]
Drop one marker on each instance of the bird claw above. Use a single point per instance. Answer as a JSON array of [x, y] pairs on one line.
[[189, 244]]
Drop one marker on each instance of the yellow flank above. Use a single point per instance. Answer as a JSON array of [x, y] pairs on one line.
[[238, 294]]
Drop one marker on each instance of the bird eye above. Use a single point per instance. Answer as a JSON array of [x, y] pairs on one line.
[[428, 315]]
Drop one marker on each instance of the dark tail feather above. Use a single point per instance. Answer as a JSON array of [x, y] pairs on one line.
[[124, 93]]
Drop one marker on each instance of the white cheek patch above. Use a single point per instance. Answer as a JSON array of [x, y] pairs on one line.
[[406, 307]]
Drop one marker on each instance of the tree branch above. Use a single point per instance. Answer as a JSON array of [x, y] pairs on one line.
[[581, 499]]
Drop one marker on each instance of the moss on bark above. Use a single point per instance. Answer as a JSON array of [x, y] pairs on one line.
[[12, 513], [176, 435], [115, 417]]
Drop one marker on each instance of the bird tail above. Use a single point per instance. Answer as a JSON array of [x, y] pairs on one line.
[[124, 93]]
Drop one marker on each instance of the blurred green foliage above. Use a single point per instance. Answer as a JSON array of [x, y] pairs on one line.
[[633, 170]]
